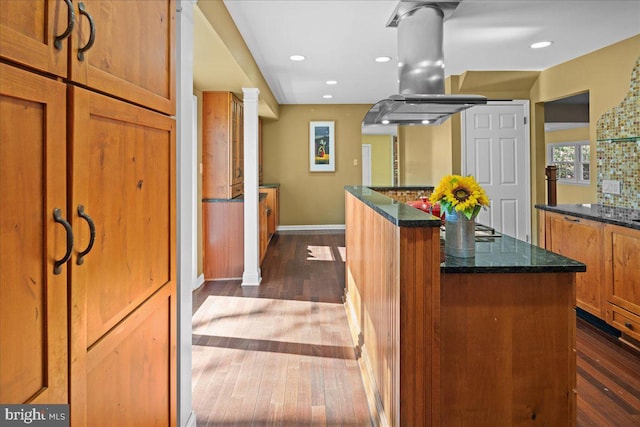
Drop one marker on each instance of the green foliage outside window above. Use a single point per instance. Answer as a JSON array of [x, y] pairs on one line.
[[572, 160]]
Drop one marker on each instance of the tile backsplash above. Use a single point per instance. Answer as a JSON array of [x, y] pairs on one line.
[[618, 148]]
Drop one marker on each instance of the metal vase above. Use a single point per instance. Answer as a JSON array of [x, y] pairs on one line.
[[460, 239]]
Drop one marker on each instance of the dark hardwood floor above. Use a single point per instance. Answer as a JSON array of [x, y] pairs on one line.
[[281, 353]]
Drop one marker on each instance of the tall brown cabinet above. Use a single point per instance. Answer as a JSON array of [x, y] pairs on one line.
[[87, 216]]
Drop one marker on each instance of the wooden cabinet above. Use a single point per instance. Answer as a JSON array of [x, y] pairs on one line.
[[272, 204], [582, 240], [28, 33], [622, 258], [132, 55], [222, 145], [123, 169], [263, 214], [223, 233], [97, 143], [33, 298]]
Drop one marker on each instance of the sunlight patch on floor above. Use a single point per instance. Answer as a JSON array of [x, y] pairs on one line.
[[319, 253]]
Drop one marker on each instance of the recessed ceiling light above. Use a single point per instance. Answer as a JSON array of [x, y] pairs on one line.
[[383, 59], [297, 58], [327, 96], [540, 45], [331, 82]]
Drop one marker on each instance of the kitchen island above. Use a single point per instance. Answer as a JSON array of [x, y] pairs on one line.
[[481, 341]]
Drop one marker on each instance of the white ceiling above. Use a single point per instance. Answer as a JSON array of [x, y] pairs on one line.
[[341, 38]]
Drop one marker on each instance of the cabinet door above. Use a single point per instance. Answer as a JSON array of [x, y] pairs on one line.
[[581, 240], [132, 51], [622, 257], [28, 31], [123, 173], [33, 299], [237, 142]]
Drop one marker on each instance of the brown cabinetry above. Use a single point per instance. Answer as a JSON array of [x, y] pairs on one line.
[[582, 240], [223, 231], [33, 298], [622, 258], [99, 145], [272, 204], [222, 145]]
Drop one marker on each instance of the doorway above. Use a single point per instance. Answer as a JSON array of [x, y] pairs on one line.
[[495, 150], [366, 164]]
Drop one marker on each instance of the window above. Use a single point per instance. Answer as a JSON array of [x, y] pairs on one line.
[[572, 160]]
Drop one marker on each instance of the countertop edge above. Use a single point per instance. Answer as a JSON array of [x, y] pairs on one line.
[[622, 217], [396, 212]]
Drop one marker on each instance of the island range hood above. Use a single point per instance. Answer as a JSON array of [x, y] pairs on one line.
[[422, 100]]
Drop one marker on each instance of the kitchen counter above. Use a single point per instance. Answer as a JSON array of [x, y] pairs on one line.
[[238, 199], [398, 213], [623, 217], [482, 341], [502, 254], [505, 254]]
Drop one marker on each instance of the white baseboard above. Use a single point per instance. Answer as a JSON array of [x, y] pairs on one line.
[[198, 282], [320, 227]]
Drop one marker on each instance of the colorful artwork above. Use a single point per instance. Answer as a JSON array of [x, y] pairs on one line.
[[321, 147]]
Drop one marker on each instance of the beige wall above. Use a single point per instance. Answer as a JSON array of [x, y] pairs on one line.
[[606, 74], [427, 153], [381, 173], [570, 193], [312, 198]]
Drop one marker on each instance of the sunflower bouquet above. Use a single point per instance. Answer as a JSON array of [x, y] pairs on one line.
[[460, 193]]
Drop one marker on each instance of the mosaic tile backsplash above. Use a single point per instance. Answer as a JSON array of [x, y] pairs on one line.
[[618, 148]]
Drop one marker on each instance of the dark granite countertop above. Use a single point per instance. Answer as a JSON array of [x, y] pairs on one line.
[[623, 217], [269, 185], [398, 213], [505, 254], [236, 199], [502, 254]]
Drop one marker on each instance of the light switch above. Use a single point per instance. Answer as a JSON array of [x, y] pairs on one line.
[[355, 162], [610, 187]]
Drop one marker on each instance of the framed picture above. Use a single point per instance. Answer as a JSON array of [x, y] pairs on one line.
[[322, 149]]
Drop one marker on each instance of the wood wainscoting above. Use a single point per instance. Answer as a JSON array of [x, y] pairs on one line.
[[393, 298]]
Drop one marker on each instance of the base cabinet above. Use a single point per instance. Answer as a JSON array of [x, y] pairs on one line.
[[272, 204], [622, 261], [582, 240], [223, 233], [610, 288]]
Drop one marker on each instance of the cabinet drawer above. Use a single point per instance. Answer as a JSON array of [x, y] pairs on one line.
[[624, 320]]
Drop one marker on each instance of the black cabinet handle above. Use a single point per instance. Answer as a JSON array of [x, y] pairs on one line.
[[571, 219], [57, 217], [92, 229], [71, 22], [629, 325], [92, 32]]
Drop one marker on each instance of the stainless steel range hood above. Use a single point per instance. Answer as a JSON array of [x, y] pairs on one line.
[[422, 100]]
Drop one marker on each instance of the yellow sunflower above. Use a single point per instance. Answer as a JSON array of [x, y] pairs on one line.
[[460, 193]]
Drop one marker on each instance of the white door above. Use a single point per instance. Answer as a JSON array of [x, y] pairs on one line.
[[495, 139], [366, 164]]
